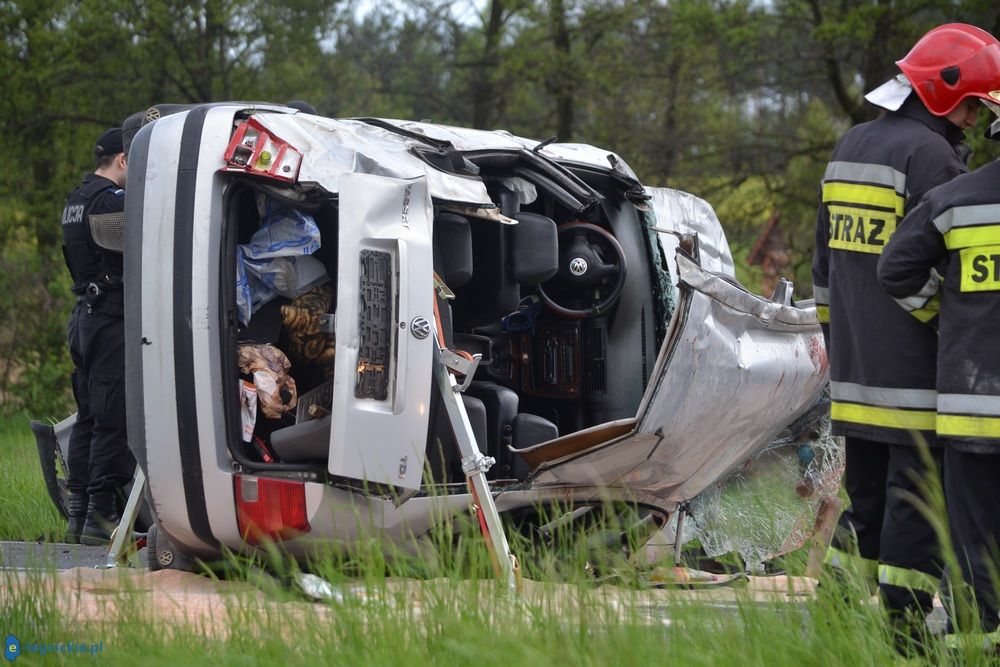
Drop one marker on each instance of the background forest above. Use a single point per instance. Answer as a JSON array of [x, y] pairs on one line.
[[737, 101]]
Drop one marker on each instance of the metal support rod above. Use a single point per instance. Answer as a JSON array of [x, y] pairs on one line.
[[678, 537], [475, 466], [124, 530]]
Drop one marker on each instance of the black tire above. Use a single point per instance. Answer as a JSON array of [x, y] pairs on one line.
[[162, 555]]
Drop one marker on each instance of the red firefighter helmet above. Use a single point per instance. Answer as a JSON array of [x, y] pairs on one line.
[[952, 62]]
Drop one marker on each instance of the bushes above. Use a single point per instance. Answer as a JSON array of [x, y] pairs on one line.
[[34, 307]]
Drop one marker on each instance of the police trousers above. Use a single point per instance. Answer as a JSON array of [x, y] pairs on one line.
[[99, 457], [890, 533], [973, 498]]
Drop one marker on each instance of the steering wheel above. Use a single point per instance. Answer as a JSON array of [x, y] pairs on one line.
[[591, 264]]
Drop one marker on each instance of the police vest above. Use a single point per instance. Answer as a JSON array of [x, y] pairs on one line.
[[882, 359], [88, 262]]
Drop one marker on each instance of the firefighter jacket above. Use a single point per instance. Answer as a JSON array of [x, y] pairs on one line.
[[882, 359], [958, 222], [88, 262]]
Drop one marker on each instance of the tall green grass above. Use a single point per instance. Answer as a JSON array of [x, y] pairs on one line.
[[438, 602], [465, 620], [26, 512]]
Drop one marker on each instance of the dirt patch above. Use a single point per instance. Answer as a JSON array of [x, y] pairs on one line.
[[172, 598]]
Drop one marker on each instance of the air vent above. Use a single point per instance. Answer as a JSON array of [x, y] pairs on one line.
[[595, 341]]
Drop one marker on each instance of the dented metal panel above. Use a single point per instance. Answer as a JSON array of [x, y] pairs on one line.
[[331, 148], [734, 370], [683, 213]]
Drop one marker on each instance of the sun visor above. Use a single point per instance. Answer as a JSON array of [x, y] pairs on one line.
[[891, 94]]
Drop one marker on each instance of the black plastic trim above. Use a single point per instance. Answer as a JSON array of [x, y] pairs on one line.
[[189, 444]]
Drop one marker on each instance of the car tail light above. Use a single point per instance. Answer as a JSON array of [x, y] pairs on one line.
[[270, 510], [254, 150]]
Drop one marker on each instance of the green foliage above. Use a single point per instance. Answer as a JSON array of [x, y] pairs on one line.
[[739, 102], [26, 511]]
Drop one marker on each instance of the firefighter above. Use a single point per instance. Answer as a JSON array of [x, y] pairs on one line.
[[882, 359], [99, 462], [957, 226]]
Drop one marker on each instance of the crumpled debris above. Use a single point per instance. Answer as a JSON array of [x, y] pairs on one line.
[[276, 393], [767, 507]]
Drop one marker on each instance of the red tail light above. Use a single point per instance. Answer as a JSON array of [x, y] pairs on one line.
[[254, 150], [270, 510]]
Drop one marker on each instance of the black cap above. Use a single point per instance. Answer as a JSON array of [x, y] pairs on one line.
[[110, 143], [302, 106]]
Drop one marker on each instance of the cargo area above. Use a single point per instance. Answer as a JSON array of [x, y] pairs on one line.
[[539, 287]]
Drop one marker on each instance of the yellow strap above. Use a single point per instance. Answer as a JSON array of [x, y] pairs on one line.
[[856, 194], [929, 311], [914, 420], [984, 641], [866, 568], [967, 237], [968, 426], [915, 580]]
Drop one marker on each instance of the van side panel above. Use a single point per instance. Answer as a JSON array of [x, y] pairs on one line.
[[158, 272], [206, 394]]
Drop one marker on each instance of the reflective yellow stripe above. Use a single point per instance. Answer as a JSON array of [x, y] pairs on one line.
[[848, 562], [917, 420], [967, 237], [985, 641], [915, 580], [928, 312], [855, 194], [968, 426], [823, 314]]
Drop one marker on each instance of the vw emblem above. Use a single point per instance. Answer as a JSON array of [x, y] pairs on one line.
[[152, 114], [420, 328], [578, 266]]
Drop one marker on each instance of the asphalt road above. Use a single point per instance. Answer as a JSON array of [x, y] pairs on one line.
[[37, 555]]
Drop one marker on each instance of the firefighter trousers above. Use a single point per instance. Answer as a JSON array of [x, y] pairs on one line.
[[883, 535], [973, 498]]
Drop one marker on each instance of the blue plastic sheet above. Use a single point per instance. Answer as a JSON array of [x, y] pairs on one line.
[[277, 259]]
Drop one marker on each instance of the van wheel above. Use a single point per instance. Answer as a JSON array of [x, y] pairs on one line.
[[162, 555]]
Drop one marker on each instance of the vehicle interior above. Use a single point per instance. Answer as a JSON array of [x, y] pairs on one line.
[[562, 307]]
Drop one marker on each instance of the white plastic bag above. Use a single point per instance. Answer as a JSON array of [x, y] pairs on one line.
[[276, 261]]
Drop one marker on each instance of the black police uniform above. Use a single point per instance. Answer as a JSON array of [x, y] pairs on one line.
[[960, 222], [99, 458], [882, 359]]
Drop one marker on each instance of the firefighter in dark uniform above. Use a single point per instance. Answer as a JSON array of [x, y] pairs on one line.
[[960, 222], [883, 359], [100, 463]]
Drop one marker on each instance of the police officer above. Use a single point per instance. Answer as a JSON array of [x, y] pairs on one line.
[[882, 359], [99, 459], [960, 222]]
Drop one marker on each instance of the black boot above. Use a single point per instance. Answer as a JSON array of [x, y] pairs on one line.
[[77, 515], [102, 519]]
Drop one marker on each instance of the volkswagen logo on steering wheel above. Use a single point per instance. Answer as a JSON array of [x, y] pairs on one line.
[[578, 266]]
